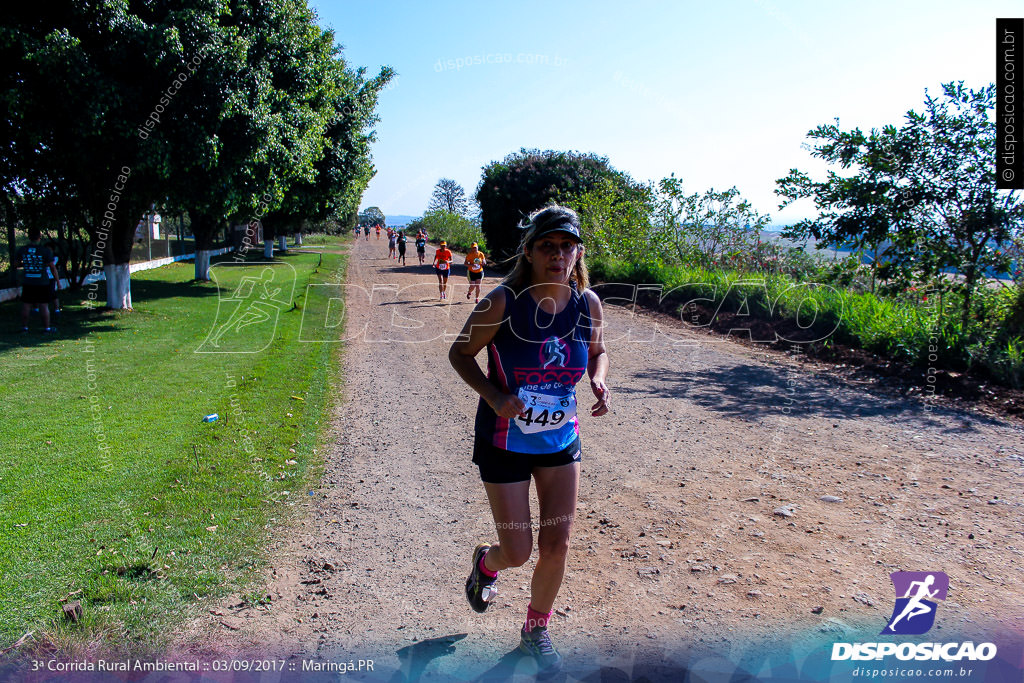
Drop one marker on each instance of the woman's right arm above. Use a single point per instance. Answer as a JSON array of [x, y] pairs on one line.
[[479, 331]]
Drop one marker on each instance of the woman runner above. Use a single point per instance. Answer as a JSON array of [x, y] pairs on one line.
[[543, 330], [401, 242], [442, 267], [475, 262], [421, 246], [392, 237]]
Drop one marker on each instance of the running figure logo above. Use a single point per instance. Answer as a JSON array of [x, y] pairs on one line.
[[247, 318], [914, 612], [554, 352]]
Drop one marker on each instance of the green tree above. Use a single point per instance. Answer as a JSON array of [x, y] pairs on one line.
[[962, 221], [528, 180], [709, 229], [923, 195], [79, 80], [860, 211], [448, 196], [372, 216], [456, 229], [252, 124], [215, 108], [616, 225], [345, 168]]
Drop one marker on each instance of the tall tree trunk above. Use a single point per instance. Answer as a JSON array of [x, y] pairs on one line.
[[118, 255], [268, 241], [10, 218], [204, 228], [969, 278], [119, 286]]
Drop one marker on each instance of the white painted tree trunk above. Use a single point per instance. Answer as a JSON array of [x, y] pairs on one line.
[[268, 249], [119, 286], [282, 243], [203, 264], [298, 239]]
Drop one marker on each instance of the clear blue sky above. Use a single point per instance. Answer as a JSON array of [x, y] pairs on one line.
[[721, 94]]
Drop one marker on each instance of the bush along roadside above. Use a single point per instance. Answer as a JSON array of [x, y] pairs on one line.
[[917, 331]]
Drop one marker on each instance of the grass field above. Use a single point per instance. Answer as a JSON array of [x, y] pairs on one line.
[[114, 492]]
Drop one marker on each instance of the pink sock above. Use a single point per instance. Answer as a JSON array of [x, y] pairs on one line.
[[483, 568], [535, 618]]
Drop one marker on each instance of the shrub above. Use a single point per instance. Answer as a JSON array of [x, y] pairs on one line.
[[528, 180], [458, 231]]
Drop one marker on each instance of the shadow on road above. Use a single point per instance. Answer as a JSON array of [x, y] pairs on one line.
[[746, 391], [415, 658]]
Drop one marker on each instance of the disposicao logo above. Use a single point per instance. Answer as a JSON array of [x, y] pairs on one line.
[[916, 592], [914, 614]]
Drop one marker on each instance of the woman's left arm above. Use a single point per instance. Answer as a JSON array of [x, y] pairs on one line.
[[597, 358]]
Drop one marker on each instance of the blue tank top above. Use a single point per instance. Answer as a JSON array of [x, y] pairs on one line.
[[539, 356]]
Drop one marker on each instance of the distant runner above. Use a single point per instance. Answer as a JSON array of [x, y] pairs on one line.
[[378, 230], [442, 267], [401, 241], [421, 246], [366, 229], [543, 331], [40, 281], [392, 237], [475, 262]]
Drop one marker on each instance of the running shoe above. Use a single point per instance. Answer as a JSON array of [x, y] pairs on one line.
[[479, 598], [537, 644]]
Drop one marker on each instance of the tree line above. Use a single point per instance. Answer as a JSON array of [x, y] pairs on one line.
[[914, 204], [916, 201], [234, 111]]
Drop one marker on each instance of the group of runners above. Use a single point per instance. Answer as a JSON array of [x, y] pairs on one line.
[[475, 262], [396, 244], [442, 263]]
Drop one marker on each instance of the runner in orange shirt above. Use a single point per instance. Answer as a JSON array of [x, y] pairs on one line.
[[475, 262], [443, 267]]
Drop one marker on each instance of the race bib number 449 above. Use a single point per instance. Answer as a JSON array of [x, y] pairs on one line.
[[544, 412]]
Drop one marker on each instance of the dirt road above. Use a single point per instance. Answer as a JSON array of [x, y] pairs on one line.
[[677, 545]]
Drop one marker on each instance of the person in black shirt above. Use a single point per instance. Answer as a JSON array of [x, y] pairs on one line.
[[39, 280], [402, 239], [421, 245]]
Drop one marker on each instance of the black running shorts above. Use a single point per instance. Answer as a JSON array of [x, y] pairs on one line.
[[473, 277], [499, 466], [37, 294]]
